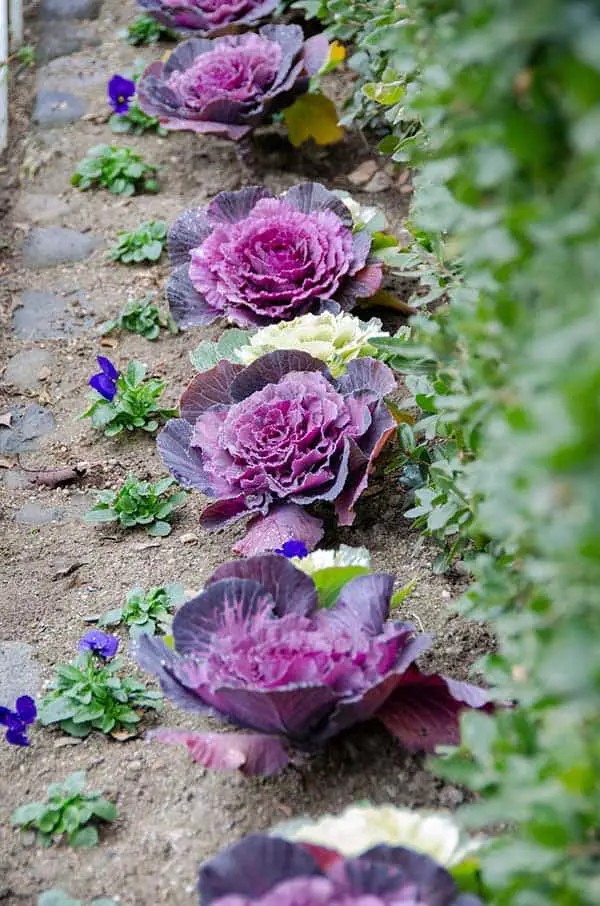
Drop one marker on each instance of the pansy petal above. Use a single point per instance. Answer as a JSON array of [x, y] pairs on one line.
[[17, 737], [252, 867], [249, 753], [26, 709], [103, 385], [292, 590], [281, 524], [424, 710], [107, 367]]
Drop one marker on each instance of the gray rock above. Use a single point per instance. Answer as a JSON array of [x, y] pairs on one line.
[[70, 9], [19, 672], [41, 316], [48, 246], [28, 425], [33, 514], [77, 75], [57, 108], [59, 39], [41, 207], [14, 480], [23, 370]]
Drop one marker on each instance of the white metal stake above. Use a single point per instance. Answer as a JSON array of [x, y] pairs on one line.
[[16, 23], [3, 74]]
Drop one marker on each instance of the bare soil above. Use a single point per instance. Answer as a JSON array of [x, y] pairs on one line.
[[172, 812]]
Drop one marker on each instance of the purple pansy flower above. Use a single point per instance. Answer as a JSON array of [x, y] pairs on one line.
[[255, 650], [230, 85], [255, 259], [17, 721], [105, 382], [261, 870], [120, 91], [207, 18], [280, 433], [100, 643], [292, 548]]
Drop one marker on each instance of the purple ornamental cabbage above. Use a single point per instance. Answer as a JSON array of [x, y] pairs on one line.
[[229, 85], [282, 431], [268, 871], [255, 650], [208, 18], [256, 259]]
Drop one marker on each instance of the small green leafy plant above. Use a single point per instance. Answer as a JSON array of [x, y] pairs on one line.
[[146, 30], [143, 317], [133, 407], [119, 170], [139, 503], [68, 813], [144, 244], [91, 693], [146, 612], [135, 122]]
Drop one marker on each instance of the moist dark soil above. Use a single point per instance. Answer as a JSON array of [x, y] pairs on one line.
[[173, 813]]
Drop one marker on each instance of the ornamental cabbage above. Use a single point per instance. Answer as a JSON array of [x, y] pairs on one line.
[[256, 259], [256, 650], [231, 84], [334, 338], [280, 432], [207, 18], [268, 871]]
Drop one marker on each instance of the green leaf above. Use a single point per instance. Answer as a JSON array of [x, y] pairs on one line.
[[331, 580], [159, 530], [28, 814], [84, 837], [105, 810], [313, 116]]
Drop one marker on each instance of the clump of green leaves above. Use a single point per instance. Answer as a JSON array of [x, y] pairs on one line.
[[143, 317], [144, 244], [119, 170], [93, 693], [134, 407], [68, 813], [148, 612], [135, 122], [139, 503], [146, 30]]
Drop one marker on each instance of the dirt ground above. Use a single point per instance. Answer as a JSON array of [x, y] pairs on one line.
[[172, 812]]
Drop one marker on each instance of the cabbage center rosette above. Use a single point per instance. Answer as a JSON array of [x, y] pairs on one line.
[[255, 259], [255, 649], [208, 18], [268, 871], [230, 85], [277, 436]]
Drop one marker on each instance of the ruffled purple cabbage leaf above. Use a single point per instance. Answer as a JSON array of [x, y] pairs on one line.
[[230, 85], [262, 870], [255, 650], [208, 18], [255, 259], [277, 436]]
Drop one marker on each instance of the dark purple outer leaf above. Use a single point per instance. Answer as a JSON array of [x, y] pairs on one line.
[[270, 368], [252, 867], [208, 388], [223, 512], [231, 207], [435, 885], [188, 307], [153, 655], [282, 522], [292, 590], [180, 458], [367, 374], [313, 196], [364, 601], [249, 753], [188, 232]]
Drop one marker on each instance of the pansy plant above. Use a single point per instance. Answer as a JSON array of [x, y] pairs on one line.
[[257, 650], [127, 116], [125, 401], [120, 170], [141, 316], [149, 612], [271, 439], [139, 503]]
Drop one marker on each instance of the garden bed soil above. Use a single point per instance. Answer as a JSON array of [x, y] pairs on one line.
[[58, 570]]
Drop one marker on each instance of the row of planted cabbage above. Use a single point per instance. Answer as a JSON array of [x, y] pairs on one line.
[[283, 426]]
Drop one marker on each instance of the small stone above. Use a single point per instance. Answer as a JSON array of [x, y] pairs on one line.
[[49, 246], [33, 514], [24, 369], [68, 741], [134, 768], [59, 39], [27, 838], [28, 425], [380, 182], [363, 173], [189, 538], [57, 108], [15, 480], [19, 672], [41, 316], [66, 74], [70, 9], [38, 207]]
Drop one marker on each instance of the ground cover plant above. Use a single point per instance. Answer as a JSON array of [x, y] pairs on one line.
[[141, 316], [69, 813], [257, 649], [277, 436], [139, 503], [119, 170], [255, 259], [148, 612], [125, 401], [144, 244], [147, 30]]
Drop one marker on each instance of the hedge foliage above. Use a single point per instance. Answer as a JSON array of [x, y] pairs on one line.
[[497, 105]]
